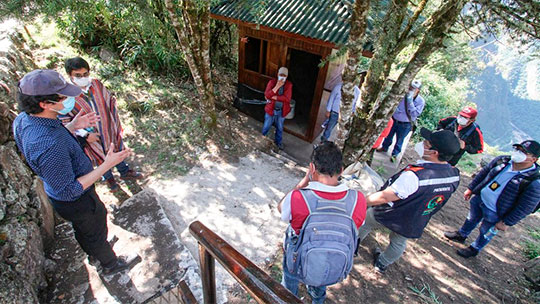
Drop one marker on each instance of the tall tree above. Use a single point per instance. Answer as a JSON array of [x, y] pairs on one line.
[[355, 46], [371, 119], [191, 22]]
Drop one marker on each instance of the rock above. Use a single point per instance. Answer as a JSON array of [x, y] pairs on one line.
[[46, 213], [24, 241], [13, 289], [532, 272], [361, 177], [2, 207], [106, 55], [142, 228]]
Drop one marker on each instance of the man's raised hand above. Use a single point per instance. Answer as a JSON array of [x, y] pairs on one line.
[[114, 158], [81, 121]]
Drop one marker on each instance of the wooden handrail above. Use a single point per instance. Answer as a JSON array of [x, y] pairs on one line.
[[255, 281]]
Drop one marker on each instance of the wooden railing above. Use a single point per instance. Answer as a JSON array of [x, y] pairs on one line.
[[254, 280]]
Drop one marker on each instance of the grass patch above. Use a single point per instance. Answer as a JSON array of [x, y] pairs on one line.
[[531, 246], [425, 294]]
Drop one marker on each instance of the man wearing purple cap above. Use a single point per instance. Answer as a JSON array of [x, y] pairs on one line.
[[505, 192], [56, 157]]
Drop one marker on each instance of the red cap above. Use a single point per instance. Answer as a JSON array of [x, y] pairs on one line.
[[468, 112]]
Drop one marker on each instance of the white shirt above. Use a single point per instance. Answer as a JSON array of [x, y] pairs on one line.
[[286, 203], [407, 183]]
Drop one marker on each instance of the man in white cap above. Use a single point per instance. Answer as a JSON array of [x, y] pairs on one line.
[[408, 110], [278, 95], [54, 154]]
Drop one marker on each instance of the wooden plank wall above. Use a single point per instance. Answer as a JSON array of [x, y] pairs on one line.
[[277, 57]]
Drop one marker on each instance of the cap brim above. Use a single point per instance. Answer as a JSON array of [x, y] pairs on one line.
[[70, 90], [425, 133]]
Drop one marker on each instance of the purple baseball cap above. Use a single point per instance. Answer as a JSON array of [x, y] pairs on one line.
[[47, 82]]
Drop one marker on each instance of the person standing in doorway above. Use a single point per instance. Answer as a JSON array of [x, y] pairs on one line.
[[96, 98], [408, 110], [278, 95]]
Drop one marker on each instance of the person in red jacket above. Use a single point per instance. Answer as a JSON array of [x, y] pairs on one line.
[[278, 95], [466, 129]]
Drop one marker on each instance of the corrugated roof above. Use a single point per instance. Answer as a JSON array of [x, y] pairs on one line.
[[326, 20]]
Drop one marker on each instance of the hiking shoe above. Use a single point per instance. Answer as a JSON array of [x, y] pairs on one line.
[[112, 184], [131, 175], [378, 266], [455, 236], [468, 252], [393, 159], [381, 150], [280, 146], [120, 265]]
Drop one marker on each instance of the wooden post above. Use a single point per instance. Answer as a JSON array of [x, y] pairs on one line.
[[208, 275]]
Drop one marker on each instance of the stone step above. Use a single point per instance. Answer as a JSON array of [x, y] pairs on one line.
[[143, 229]]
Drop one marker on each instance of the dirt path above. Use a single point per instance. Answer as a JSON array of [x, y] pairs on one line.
[[430, 271]]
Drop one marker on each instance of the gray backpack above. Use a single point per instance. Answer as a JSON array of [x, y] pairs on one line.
[[323, 252]]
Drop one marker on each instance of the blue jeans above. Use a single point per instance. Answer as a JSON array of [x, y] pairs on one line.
[[332, 122], [291, 281], [479, 212], [401, 130], [277, 120], [122, 168]]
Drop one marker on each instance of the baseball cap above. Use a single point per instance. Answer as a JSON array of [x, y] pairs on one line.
[[417, 84], [531, 146], [468, 112], [444, 141], [47, 82], [284, 71]]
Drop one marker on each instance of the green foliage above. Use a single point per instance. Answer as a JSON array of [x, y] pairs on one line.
[[223, 44], [138, 31], [425, 294], [532, 247]]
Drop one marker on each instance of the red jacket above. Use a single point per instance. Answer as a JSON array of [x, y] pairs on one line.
[[285, 98]]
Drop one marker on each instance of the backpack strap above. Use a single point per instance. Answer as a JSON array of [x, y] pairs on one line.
[[471, 129], [316, 203]]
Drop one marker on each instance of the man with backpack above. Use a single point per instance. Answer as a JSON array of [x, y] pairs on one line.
[[505, 192], [468, 132], [411, 197], [323, 217]]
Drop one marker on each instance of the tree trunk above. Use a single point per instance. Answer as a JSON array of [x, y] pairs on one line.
[[193, 33], [355, 46], [367, 125], [388, 45]]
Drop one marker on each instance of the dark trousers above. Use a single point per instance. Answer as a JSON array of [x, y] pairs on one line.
[[400, 129], [88, 217]]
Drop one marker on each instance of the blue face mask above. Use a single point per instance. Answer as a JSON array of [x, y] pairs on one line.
[[69, 104]]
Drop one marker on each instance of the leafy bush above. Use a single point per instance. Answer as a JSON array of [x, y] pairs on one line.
[[532, 247]]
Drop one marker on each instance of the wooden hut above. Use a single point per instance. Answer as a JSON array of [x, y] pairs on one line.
[[296, 34]]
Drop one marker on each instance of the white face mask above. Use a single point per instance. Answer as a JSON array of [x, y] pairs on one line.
[[462, 120], [82, 81], [518, 156], [282, 78], [419, 149]]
